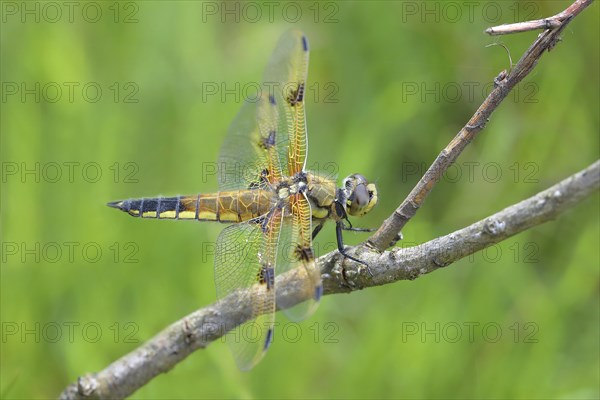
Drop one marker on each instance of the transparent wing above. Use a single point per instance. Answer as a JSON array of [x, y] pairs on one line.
[[249, 156], [245, 263], [268, 136], [286, 74], [295, 253]]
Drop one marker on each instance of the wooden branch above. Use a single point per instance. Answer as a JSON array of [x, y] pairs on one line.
[[200, 328], [410, 263], [388, 233]]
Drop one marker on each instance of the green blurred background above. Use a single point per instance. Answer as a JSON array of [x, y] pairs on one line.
[[390, 83]]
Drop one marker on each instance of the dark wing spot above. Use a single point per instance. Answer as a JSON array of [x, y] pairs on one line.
[[270, 277], [318, 292], [304, 253], [269, 339], [304, 43], [300, 96], [269, 141], [296, 96], [263, 180], [272, 99], [266, 275]]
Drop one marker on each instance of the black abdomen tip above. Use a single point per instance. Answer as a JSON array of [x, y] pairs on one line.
[[129, 206]]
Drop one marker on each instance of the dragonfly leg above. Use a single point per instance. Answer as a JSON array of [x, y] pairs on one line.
[[318, 229], [340, 243], [351, 228]]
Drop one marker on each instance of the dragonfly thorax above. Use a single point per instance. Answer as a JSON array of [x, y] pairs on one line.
[[294, 185]]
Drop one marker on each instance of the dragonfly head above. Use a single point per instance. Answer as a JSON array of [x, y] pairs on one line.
[[360, 195]]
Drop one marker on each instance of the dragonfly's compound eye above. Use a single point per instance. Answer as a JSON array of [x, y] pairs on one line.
[[360, 194]]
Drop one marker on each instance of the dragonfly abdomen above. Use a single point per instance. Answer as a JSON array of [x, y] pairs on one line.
[[234, 206]]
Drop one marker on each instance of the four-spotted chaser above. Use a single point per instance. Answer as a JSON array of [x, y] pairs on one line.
[[270, 200]]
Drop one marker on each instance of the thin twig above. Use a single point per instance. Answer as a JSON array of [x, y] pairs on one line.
[[199, 329], [546, 23], [388, 232]]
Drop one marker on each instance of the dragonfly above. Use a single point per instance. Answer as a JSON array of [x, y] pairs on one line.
[[274, 206]]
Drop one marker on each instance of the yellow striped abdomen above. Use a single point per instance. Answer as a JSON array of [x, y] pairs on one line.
[[234, 206]]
